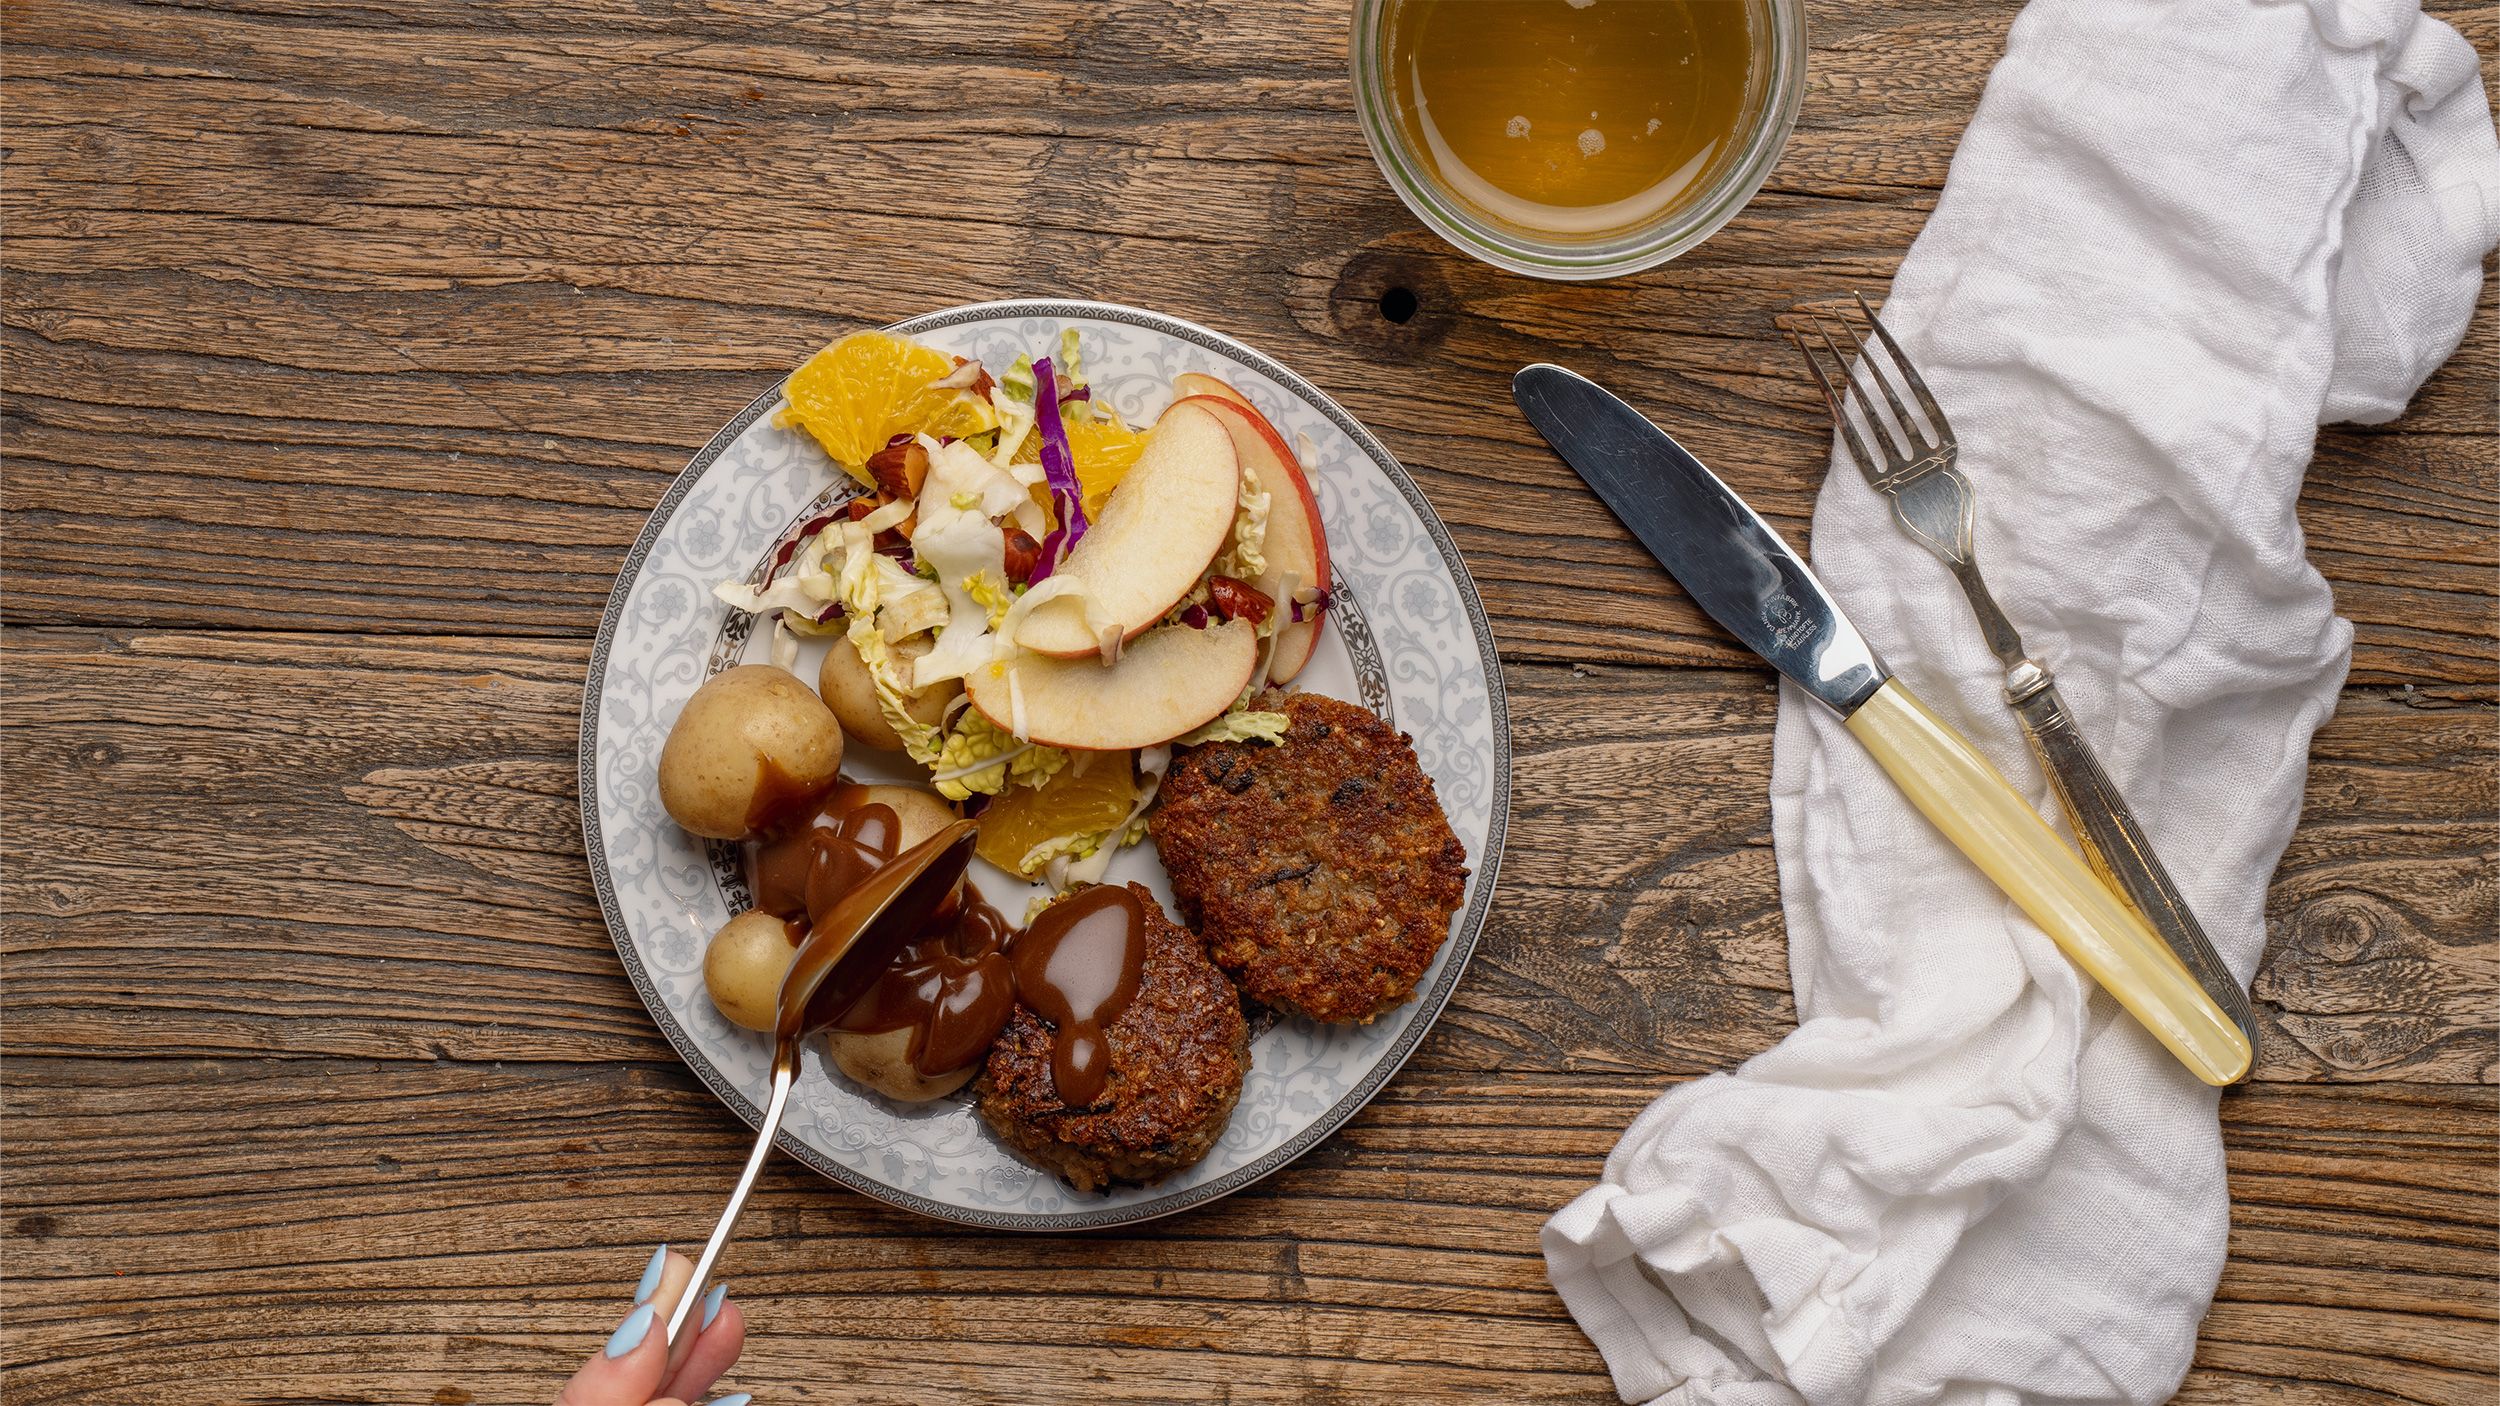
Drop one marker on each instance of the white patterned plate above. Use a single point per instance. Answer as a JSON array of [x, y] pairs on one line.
[[1409, 640]]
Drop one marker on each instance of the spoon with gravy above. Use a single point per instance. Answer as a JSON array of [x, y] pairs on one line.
[[841, 957]]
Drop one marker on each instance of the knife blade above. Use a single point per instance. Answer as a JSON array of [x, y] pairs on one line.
[[1756, 586], [1711, 541]]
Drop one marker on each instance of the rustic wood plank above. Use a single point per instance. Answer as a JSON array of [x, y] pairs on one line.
[[384, 324], [466, 1227], [403, 325], [303, 827]]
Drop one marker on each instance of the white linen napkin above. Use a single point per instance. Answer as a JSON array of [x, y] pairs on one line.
[[2176, 238]]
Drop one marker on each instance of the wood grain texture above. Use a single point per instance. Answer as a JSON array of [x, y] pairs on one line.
[[387, 348], [472, 1227], [346, 346], [323, 824], [305, 827]]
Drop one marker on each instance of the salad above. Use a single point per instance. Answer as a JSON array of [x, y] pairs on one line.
[[1034, 599]]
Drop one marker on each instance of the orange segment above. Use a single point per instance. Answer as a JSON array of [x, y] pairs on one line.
[[1068, 803], [865, 389], [961, 416], [1104, 450]]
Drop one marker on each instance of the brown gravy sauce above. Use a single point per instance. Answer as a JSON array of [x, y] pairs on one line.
[[958, 981], [778, 795], [1078, 967], [822, 848], [952, 988]]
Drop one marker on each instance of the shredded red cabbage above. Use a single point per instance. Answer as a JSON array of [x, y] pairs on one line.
[[790, 548], [1067, 496], [1195, 617], [1318, 604]]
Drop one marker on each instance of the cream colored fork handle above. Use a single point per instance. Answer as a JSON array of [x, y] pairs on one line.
[[2114, 845], [1987, 820]]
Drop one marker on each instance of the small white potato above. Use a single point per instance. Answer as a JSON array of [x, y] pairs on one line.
[[882, 1062], [750, 740], [921, 813], [744, 965]]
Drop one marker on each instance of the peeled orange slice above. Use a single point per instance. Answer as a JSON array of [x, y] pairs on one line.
[[1068, 803], [1104, 450], [960, 416], [865, 389]]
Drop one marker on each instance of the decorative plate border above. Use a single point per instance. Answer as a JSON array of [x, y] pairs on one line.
[[1430, 1003]]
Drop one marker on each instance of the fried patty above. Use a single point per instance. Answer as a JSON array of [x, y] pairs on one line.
[[1321, 872], [1178, 1054]]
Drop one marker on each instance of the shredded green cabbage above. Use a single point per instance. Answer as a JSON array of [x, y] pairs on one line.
[[1245, 559], [804, 625], [1012, 391], [979, 756], [1076, 846], [920, 740], [958, 539], [1240, 723], [1068, 366], [1016, 382], [1011, 395], [991, 594]]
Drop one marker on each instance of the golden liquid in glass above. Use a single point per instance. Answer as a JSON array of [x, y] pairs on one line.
[[1571, 117]]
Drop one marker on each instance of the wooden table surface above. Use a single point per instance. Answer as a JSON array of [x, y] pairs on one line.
[[348, 345]]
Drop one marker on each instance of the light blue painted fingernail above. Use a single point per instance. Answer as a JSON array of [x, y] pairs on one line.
[[711, 1305], [651, 1273], [735, 1398], [630, 1333]]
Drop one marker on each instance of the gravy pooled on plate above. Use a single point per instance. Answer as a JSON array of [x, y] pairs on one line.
[[921, 1031]]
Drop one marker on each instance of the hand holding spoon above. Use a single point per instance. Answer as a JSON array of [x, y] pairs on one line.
[[841, 958]]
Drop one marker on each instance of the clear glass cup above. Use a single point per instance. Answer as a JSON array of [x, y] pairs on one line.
[[1768, 115]]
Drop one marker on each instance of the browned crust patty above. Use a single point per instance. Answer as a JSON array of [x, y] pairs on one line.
[[1178, 1054], [1321, 872]]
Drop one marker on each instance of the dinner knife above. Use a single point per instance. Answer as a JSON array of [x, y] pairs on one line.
[[1750, 581]]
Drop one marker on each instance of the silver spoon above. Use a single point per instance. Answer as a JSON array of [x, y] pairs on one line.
[[842, 957]]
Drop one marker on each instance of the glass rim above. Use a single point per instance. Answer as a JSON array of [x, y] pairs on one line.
[[1643, 246]]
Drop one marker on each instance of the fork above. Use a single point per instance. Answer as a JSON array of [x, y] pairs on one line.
[[1914, 465]]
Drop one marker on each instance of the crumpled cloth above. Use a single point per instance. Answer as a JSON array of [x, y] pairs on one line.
[[2176, 238]]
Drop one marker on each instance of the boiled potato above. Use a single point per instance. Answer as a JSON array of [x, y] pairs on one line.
[[882, 1062], [750, 740], [852, 694], [744, 965], [921, 812]]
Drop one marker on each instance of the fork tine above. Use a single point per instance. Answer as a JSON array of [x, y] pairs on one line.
[[1910, 437], [1909, 373], [1866, 403], [1868, 464]]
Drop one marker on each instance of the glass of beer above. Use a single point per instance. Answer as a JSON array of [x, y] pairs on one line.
[[1577, 139]]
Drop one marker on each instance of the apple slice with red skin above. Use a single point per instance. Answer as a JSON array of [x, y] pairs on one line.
[[1169, 681], [1195, 383], [1297, 546], [1170, 515]]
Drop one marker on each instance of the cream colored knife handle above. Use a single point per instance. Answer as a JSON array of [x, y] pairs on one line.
[[1986, 819]]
